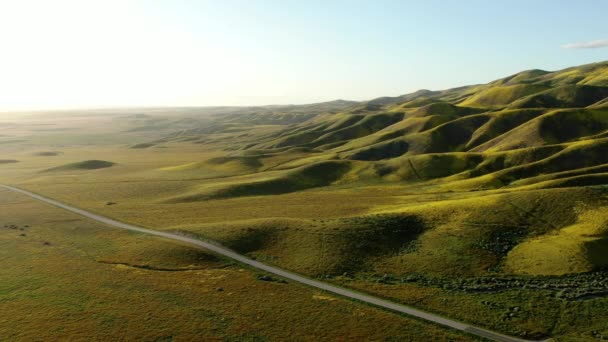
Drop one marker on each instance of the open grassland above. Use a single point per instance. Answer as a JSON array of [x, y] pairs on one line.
[[385, 233], [64, 277], [486, 203]]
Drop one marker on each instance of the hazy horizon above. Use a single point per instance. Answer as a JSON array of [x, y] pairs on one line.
[[117, 54]]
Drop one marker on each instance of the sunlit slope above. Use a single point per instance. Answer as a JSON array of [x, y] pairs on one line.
[[302, 178]]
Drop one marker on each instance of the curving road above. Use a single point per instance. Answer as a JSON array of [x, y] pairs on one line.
[[282, 273]]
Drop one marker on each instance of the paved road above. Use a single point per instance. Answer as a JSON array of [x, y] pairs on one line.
[[282, 273]]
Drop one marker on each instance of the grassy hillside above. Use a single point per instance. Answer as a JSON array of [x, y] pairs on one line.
[[484, 203], [529, 110]]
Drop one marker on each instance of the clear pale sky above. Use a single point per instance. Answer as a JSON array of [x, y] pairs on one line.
[[71, 54]]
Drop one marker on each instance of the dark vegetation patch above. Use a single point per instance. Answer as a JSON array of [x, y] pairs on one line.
[[48, 153], [362, 239], [500, 241], [265, 277], [143, 145], [248, 161], [15, 227], [564, 126], [439, 165], [384, 150], [573, 287], [252, 239], [8, 161], [83, 165]]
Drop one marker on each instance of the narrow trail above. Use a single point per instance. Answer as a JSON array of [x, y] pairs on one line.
[[214, 247]]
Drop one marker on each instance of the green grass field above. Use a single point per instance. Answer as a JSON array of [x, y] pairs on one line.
[[487, 204], [65, 278]]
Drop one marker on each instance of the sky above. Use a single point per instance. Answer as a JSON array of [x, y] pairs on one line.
[[119, 53]]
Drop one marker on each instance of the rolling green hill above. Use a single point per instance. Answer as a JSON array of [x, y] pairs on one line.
[[518, 115], [535, 131]]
